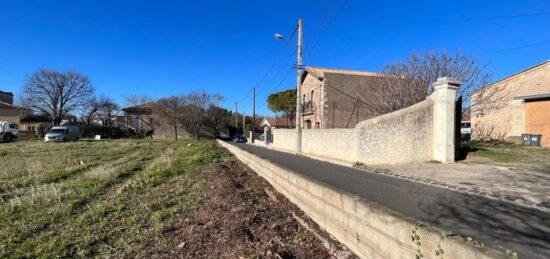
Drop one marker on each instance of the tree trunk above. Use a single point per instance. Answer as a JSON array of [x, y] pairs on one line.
[[176, 132]]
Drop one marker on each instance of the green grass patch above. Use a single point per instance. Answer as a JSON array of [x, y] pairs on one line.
[[121, 201]]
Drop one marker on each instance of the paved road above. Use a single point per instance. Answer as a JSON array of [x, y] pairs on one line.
[[495, 223]]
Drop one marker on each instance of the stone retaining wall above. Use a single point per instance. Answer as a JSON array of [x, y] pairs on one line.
[[368, 229]]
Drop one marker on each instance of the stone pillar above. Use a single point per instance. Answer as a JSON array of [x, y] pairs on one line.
[[443, 96]]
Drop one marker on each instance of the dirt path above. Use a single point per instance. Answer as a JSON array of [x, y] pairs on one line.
[[242, 216]]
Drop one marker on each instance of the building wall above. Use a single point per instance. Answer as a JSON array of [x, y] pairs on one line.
[[6, 97], [495, 115], [9, 115], [309, 84], [342, 92], [537, 119]]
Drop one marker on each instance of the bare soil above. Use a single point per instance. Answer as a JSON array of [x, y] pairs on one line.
[[242, 216]]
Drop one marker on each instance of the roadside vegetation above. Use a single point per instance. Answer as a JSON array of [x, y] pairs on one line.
[[142, 198], [506, 154]]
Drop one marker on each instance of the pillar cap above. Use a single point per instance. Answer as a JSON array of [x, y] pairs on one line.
[[446, 82]]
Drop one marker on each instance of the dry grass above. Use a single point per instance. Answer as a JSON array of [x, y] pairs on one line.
[[96, 199]]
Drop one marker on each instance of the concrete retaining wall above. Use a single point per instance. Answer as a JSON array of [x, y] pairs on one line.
[[368, 229]]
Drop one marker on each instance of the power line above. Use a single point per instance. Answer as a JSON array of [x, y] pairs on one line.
[[310, 49], [513, 48], [277, 58], [449, 20]]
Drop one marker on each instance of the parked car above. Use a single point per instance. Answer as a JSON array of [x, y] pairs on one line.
[[465, 130], [8, 131], [239, 139], [63, 133]]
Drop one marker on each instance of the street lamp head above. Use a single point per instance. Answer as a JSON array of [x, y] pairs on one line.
[[278, 36]]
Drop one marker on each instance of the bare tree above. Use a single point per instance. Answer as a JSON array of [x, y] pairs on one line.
[[410, 81], [56, 94], [108, 109], [99, 108], [136, 99], [172, 110], [195, 112], [90, 111]]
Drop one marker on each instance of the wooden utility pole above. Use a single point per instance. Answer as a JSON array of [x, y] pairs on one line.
[[244, 123], [299, 91], [253, 115], [236, 118]]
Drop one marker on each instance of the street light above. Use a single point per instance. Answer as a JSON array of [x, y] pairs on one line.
[[298, 84]]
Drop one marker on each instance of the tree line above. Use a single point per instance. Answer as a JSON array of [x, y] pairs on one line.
[[60, 96]]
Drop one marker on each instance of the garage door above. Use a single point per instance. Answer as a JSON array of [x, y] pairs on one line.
[[537, 119]]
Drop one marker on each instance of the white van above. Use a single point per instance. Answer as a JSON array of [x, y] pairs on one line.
[[63, 133], [8, 131]]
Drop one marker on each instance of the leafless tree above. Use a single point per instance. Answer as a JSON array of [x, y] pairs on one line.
[[136, 99], [108, 109], [410, 81], [195, 112], [99, 108], [172, 110], [90, 111], [56, 94]]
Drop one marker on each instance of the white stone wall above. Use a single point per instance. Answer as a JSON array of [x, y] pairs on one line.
[[284, 139], [399, 137], [336, 144], [419, 133]]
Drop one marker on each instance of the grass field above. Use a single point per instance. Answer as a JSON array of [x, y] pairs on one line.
[[106, 199], [508, 154]]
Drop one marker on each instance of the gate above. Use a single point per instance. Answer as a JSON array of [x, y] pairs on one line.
[[458, 120]]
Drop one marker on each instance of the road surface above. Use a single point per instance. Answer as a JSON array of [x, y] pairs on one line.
[[497, 224]]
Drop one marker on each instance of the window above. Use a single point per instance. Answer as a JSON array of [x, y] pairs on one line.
[[304, 99], [318, 125], [311, 98], [31, 128]]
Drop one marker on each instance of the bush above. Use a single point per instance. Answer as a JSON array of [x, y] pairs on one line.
[[90, 131]]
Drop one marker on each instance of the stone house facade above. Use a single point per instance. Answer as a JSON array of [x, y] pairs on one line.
[[143, 119], [513, 106], [336, 98]]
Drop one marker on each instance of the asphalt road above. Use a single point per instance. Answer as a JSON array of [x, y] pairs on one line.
[[497, 224]]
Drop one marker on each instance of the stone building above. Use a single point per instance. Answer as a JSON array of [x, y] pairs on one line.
[[143, 120], [515, 105], [336, 98]]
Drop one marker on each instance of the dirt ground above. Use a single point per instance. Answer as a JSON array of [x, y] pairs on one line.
[[243, 217]]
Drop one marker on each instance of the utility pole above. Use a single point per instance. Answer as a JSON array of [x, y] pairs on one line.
[[236, 118], [253, 115], [298, 91], [244, 123]]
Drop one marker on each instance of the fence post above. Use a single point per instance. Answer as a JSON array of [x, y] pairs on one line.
[[443, 96]]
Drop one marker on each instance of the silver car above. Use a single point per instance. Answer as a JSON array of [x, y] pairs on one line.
[[63, 133]]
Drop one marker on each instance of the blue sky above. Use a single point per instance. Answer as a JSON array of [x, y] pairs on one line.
[[162, 48]]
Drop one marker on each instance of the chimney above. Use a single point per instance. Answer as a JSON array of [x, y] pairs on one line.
[[6, 97]]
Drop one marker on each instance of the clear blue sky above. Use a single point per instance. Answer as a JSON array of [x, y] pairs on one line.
[[162, 48]]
